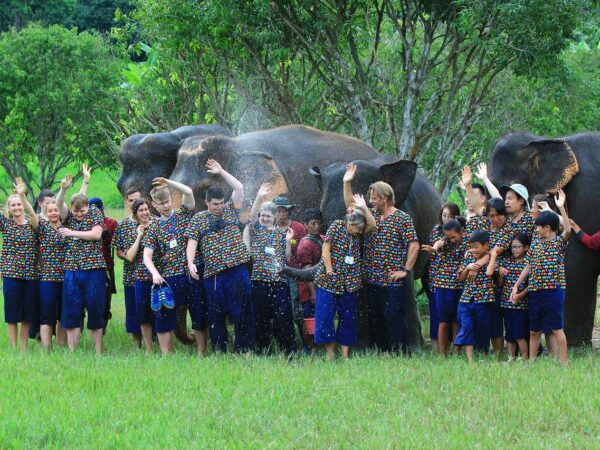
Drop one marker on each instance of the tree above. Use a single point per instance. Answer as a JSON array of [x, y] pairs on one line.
[[18, 13], [57, 89]]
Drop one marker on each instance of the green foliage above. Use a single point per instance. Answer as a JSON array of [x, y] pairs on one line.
[[57, 90]]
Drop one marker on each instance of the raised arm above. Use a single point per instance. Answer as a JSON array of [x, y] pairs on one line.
[[21, 189], [348, 177], [65, 184], [560, 200], [261, 196], [482, 175], [237, 196], [187, 199], [467, 179], [360, 204], [87, 173]]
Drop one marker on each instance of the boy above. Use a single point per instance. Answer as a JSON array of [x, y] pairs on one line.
[[477, 300], [165, 239], [546, 271], [226, 277]]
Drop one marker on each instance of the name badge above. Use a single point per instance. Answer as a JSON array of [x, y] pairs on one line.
[[173, 243], [349, 259], [269, 250]]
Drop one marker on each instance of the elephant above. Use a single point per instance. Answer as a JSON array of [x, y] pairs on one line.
[[414, 194], [545, 165]]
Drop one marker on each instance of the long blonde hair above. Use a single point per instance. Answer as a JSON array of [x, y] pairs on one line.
[[8, 213]]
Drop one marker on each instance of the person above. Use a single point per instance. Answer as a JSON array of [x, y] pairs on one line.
[[142, 278], [545, 272], [19, 266], [514, 310], [449, 211], [308, 255], [449, 251], [226, 282], [284, 209], [165, 242], [479, 193], [109, 226], [590, 241], [477, 300], [269, 247], [127, 234], [338, 279], [391, 250], [517, 206], [84, 284], [43, 199]]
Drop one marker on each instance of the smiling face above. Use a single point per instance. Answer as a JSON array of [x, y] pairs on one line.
[[453, 236], [143, 214], [79, 213], [478, 249], [52, 212], [15, 206], [266, 218], [518, 249]]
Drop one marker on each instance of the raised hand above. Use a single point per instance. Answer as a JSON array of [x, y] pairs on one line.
[[265, 189], [576, 228], [213, 167], [289, 234], [66, 182], [86, 172], [359, 201], [543, 206], [482, 171], [160, 182], [560, 198], [140, 231], [19, 187], [467, 176], [350, 172]]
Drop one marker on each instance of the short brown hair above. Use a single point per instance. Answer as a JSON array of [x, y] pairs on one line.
[[383, 190], [159, 194], [132, 190], [79, 201]]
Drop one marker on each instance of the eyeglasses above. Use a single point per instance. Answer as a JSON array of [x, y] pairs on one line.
[[516, 247]]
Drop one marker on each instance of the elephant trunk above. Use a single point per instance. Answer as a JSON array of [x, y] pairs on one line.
[[181, 331], [300, 274]]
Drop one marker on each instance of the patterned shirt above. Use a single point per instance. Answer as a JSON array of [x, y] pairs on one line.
[[524, 225], [81, 254], [219, 239], [436, 234], [514, 268], [168, 240], [481, 289], [19, 250], [346, 277], [268, 252], [125, 236], [52, 252], [387, 246], [547, 260], [501, 237], [449, 259]]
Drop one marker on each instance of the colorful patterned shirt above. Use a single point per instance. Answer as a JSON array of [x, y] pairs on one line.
[[436, 234], [345, 260], [514, 268], [219, 239], [547, 260], [481, 289], [81, 254], [268, 252], [449, 259], [387, 246], [525, 225], [52, 252], [502, 237], [168, 240], [19, 250], [125, 236]]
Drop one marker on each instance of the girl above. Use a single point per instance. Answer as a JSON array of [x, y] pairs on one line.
[[449, 211], [269, 247], [338, 279], [514, 310], [19, 265]]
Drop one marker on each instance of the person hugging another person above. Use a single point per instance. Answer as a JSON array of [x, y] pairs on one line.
[[269, 247], [545, 272]]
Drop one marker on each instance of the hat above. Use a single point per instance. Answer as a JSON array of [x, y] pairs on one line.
[[284, 202], [519, 189], [97, 202]]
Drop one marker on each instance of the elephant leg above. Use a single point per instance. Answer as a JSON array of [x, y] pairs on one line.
[[580, 303], [414, 339]]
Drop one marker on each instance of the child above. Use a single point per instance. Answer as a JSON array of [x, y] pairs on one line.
[[448, 212], [269, 247], [514, 310], [477, 300], [546, 272], [338, 279], [226, 279], [449, 251], [166, 241]]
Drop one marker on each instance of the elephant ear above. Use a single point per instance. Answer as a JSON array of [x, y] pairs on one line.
[[401, 176], [553, 164], [316, 172]]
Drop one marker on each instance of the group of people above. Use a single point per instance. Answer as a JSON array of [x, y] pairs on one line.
[[496, 274]]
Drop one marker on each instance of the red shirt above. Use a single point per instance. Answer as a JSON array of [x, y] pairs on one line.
[[590, 241], [108, 232], [299, 233], [308, 253]]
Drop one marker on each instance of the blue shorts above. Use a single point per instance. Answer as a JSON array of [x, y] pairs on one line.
[[308, 309], [50, 301], [132, 324], [143, 292], [546, 310], [474, 319], [496, 325], [84, 289], [516, 324], [20, 300], [446, 302], [327, 306], [434, 322]]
